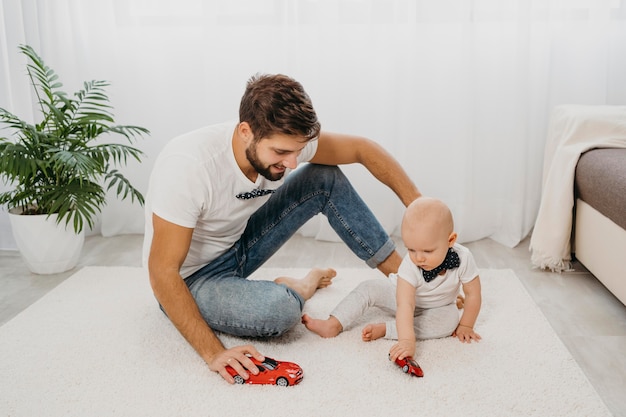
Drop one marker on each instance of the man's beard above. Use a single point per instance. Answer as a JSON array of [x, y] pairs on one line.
[[258, 166]]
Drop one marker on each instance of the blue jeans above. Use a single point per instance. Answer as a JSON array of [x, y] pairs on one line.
[[232, 304]]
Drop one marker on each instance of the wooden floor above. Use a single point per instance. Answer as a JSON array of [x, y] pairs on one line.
[[589, 320]]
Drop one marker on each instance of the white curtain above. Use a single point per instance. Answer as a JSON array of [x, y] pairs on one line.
[[459, 91]]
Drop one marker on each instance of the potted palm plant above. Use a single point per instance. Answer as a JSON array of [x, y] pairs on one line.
[[60, 168]]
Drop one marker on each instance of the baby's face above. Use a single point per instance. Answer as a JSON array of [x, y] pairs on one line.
[[427, 246]]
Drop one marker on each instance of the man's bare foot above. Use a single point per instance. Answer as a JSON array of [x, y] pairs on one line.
[[306, 287], [330, 327], [460, 302], [373, 332]]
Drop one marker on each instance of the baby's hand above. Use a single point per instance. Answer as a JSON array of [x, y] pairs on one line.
[[402, 349], [466, 334]]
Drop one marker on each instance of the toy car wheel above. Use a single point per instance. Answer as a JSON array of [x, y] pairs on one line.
[[282, 382], [239, 379], [405, 369]]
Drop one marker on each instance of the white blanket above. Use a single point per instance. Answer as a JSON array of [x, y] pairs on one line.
[[573, 130]]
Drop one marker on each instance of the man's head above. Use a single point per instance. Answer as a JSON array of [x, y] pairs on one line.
[[277, 104], [277, 120], [428, 232]]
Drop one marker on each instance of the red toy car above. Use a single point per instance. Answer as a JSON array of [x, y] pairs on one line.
[[271, 372], [410, 366]]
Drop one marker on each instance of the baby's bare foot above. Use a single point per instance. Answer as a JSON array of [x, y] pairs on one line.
[[373, 332], [317, 278], [330, 327], [460, 302]]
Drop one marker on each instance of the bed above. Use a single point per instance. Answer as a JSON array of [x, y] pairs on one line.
[[600, 217], [583, 198]]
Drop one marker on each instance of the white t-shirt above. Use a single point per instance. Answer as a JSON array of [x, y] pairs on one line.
[[194, 183], [443, 289]]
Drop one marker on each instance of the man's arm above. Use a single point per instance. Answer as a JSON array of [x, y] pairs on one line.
[[338, 149], [170, 244]]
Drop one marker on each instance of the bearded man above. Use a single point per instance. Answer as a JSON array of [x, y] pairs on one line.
[[224, 198]]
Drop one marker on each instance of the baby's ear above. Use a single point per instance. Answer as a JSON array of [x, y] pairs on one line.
[[452, 239]]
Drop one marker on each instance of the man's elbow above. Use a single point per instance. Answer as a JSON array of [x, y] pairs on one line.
[[159, 278]]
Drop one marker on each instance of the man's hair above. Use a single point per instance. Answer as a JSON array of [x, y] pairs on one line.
[[278, 104]]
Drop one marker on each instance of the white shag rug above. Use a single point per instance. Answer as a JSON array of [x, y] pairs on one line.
[[98, 345]]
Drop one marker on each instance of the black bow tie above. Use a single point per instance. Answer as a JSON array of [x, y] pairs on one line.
[[253, 194], [452, 261]]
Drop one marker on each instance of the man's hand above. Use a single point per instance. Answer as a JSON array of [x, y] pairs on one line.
[[466, 334], [237, 358]]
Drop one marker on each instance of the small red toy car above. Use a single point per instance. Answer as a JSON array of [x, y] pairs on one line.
[[410, 366], [271, 372]]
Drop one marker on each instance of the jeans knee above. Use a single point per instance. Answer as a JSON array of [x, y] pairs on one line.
[[285, 323], [284, 312], [324, 173]]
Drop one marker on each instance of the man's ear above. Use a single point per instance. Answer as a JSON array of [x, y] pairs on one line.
[[245, 132], [452, 239]]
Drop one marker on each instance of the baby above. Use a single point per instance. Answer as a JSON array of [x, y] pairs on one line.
[[425, 293]]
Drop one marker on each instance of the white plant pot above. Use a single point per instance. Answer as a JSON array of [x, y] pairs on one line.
[[47, 248]]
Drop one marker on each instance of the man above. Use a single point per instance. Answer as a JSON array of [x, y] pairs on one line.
[[220, 203]]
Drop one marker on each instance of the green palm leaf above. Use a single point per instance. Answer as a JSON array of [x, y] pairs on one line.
[[55, 165]]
